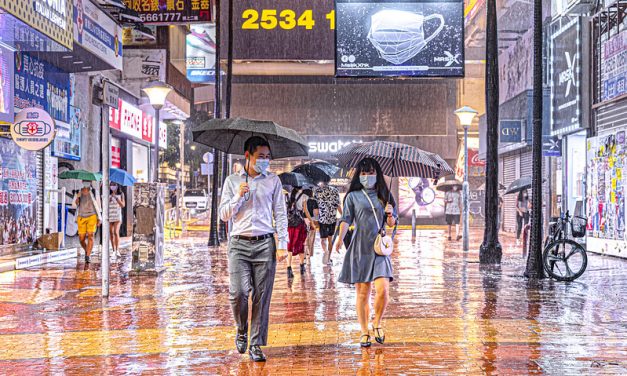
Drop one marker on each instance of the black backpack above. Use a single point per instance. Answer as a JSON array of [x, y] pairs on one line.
[[294, 216]]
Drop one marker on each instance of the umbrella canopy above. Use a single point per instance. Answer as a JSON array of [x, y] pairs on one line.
[[317, 171], [519, 185], [295, 179], [229, 136], [396, 159], [448, 185], [81, 175], [121, 177]]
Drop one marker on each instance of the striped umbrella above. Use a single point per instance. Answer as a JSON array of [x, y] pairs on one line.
[[396, 159]]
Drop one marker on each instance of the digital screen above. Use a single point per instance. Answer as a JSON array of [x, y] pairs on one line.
[[396, 38]]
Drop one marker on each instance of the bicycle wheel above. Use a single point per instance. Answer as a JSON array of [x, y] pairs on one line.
[[565, 260]]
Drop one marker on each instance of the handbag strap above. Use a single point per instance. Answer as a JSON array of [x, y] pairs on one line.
[[374, 211]]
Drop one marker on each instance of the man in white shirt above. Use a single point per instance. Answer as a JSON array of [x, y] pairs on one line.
[[253, 201]]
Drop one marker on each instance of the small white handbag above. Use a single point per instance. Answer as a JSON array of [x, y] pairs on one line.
[[383, 244]]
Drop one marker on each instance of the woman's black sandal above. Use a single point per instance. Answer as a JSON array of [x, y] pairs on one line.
[[377, 336], [367, 343]]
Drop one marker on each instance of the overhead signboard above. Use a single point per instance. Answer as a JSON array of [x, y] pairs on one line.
[[168, 12], [412, 38], [98, 33], [134, 122], [566, 76], [34, 129], [52, 18], [6, 85], [614, 67], [201, 53]]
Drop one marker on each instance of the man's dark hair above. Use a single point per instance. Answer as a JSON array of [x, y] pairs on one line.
[[254, 142]]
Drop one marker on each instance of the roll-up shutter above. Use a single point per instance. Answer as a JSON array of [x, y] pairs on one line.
[[510, 173], [611, 116]]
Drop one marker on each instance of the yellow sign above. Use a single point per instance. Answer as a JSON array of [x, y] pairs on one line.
[[52, 18]]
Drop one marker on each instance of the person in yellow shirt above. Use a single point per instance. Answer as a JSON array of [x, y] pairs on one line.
[[88, 217]]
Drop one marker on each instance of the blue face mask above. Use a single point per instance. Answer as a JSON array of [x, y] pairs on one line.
[[368, 181], [262, 165]]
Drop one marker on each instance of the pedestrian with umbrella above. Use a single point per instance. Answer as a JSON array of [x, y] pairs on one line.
[[253, 202], [117, 202], [88, 208], [368, 205], [452, 205]]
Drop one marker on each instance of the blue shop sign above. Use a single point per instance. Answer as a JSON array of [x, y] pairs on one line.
[[42, 85], [510, 131]]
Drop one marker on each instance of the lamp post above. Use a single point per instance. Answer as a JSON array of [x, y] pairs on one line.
[[465, 115], [157, 92]]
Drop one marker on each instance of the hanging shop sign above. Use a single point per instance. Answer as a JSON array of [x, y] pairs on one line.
[[145, 64], [6, 85], [67, 143], [98, 33], [134, 122], [406, 38], [19, 184], [566, 75], [614, 67], [42, 85], [34, 129], [52, 18], [144, 36], [201, 53], [168, 12], [510, 130]]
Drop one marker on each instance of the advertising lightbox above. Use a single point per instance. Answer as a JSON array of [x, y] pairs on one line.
[[201, 53], [388, 39]]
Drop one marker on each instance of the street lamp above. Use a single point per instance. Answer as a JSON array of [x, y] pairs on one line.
[[466, 115], [157, 92]]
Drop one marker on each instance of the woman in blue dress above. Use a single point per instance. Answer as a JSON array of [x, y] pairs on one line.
[[362, 266]]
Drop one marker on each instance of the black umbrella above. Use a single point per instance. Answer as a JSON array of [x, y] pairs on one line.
[[318, 171], [295, 179], [520, 184], [448, 185], [229, 136], [396, 159]]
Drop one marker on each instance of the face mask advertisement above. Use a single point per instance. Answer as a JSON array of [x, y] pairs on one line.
[[399, 39]]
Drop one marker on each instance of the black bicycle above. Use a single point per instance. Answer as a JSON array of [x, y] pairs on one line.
[[564, 258]]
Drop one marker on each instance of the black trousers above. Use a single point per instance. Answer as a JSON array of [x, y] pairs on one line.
[[521, 222]]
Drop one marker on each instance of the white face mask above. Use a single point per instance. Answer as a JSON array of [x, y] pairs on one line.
[[86, 184], [114, 188], [368, 181], [262, 165]]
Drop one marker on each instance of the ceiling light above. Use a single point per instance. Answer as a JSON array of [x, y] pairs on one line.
[[78, 62]]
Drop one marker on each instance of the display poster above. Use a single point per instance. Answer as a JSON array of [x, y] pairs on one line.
[[614, 67], [419, 194], [98, 33], [41, 85], [18, 194], [410, 38], [201, 53], [116, 152], [168, 12], [476, 166], [51, 199], [607, 159], [566, 76], [6, 85], [67, 143]]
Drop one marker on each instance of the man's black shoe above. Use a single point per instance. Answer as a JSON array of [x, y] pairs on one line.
[[302, 268], [256, 355], [241, 342], [290, 274]]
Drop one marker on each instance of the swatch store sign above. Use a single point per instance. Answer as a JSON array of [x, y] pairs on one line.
[[566, 75]]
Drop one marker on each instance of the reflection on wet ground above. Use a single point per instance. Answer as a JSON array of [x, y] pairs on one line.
[[447, 316]]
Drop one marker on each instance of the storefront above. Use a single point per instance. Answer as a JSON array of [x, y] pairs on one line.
[[569, 72], [607, 151], [30, 28]]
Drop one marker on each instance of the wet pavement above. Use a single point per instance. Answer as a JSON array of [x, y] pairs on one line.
[[446, 316]]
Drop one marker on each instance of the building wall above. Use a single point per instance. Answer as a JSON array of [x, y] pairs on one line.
[[420, 114]]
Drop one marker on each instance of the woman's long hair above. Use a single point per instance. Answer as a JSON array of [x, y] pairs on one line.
[[367, 165], [520, 195], [295, 191]]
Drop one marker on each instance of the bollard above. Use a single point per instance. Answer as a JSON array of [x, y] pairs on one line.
[[413, 225]]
